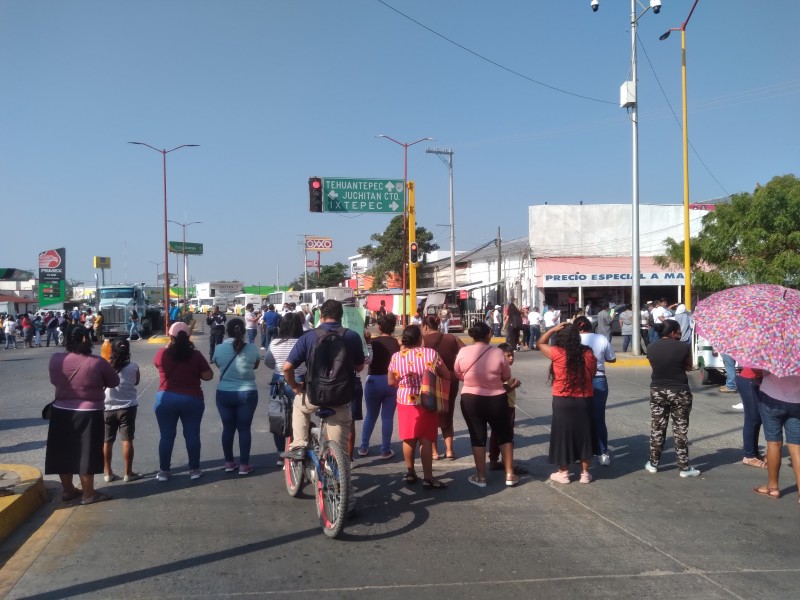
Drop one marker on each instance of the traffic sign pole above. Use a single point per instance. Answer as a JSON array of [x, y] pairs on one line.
[[412, 237]]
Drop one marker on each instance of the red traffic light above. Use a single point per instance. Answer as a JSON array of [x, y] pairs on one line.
[[413, 253], [316, 184]]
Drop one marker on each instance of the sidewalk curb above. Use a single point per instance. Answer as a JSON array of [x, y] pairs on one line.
[[29, 494]]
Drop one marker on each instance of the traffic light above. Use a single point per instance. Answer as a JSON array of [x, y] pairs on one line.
[[413, 253], [315, 194]]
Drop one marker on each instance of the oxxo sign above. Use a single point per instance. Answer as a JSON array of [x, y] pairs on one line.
[[319, 244]]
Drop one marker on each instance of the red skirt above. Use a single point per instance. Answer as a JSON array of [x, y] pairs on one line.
[[413, 421]]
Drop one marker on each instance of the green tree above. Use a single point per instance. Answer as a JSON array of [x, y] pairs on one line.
[[754, 238], [387, 254], [330, 276]]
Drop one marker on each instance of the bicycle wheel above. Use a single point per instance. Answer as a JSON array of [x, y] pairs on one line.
[[294, 473], [332, 489]]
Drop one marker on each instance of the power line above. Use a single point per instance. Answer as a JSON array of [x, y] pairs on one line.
[[495, 63]]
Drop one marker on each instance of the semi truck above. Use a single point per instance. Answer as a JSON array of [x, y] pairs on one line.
[[116, 303]]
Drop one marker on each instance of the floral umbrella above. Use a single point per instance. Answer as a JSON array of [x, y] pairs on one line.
[[758, 325]]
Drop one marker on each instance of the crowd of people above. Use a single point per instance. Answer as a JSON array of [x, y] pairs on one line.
[[96, 399], [33, 330]]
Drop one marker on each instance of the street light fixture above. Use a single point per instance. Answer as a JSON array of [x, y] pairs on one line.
[[629, 99], [405, 146], [441, 152], [185, 264], [164, 153], [687, 271], [157, 264]]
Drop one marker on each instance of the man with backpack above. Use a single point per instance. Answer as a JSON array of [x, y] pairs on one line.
[[333, 355]]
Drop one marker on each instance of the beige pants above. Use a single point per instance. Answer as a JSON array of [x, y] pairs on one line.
[[337, 425]]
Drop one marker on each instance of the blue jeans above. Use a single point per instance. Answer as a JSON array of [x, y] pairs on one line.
[[730, 371], [52, 332], [496, 330], [267, 335], [777, 416], [536, 333], [169, 408], [251, 335], [134, 329], [381, 398], [236, 409], [652, 335], [748, 390], [600, 386], [626, 341]]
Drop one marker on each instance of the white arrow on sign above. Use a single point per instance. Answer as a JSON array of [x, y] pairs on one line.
[[333, 195], [390, 186], [394, 205]]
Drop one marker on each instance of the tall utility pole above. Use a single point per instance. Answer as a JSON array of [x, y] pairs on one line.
[[499, 243], [449, 162]]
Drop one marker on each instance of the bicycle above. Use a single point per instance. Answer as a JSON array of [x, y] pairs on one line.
[[327, 466]]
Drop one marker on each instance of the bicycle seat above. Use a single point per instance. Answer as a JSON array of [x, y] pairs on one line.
[[324, 413]]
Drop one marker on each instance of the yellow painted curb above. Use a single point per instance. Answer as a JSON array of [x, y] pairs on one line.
[[158, 339], [634, 361], [29, 495]]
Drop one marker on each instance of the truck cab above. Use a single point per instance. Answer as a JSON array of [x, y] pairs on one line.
[[116, 303]]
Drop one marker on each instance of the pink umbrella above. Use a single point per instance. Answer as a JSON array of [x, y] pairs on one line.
[[758, 325]]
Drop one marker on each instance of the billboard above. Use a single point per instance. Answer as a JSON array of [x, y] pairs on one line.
[[102, 262], [318, 244], [52, 267]]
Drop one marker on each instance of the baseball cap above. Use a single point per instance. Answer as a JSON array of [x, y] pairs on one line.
[[179, 327], [497, 306]]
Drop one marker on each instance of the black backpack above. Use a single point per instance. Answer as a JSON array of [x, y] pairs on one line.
[[330, 379]]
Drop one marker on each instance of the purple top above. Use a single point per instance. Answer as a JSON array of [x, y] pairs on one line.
[[785, 389], [86, 389]]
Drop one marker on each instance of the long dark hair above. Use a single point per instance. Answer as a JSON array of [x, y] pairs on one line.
[[412, 336], [120, 353], [569, 339], [79, 340], [291, 326], [236, 332], [181, 347], [667, 327]]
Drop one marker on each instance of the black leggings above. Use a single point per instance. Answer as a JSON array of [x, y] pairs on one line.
[[480, 410]]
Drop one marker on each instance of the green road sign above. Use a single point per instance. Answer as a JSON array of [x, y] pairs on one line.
[[191, 248], [362, 195]]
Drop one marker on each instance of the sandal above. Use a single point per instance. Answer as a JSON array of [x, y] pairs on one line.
[[437, 457], [433, 484], [98, 497], [754, 461], [512, 480], [450, 456], [70, 496], [411, 478], [763, 490], [478, 481]]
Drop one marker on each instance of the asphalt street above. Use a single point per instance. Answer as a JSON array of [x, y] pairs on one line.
[[629, 534]]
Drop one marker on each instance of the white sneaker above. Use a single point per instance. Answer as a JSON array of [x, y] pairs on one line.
[[690, 472], [651, 468], [162, 476], [739, 406], [196, 474], [605, 460]]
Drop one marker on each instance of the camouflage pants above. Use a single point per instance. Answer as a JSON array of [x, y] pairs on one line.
[[664, 402]]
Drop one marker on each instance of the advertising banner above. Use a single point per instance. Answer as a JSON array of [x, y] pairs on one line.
[[52, 267], [319, 244]]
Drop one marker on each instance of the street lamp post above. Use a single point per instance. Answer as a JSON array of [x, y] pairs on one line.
[[157, 264], [449, 162], [164, 153], [687, 271], [405, 146], [185, 264], [632, 101]]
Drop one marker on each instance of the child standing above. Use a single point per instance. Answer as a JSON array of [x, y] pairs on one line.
[[120, 412], [511, 385]]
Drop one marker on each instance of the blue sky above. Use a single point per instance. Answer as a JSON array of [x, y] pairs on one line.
[[277, 91]]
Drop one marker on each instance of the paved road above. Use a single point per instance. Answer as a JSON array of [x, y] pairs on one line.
[[627, 535]]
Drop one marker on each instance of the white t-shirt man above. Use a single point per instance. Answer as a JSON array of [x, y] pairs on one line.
[[549, 319], [535, 318], [660, 313], [602, 350]]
